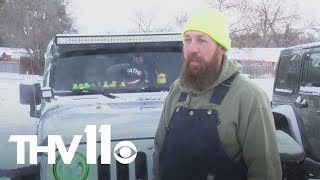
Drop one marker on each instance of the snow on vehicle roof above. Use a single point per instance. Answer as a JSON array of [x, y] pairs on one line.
[[305, 46]]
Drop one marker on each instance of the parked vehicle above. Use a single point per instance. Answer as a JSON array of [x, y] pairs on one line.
[[117, 80], [296, 103]]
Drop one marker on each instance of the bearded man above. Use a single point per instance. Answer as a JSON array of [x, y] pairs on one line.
[[216, 124]]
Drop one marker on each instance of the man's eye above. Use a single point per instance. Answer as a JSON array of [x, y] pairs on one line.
[[187, 40], [203, 41]]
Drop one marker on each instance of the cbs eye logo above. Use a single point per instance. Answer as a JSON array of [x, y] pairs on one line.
[[125, 151]]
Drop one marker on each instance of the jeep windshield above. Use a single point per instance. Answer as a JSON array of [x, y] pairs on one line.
[[119, 70]]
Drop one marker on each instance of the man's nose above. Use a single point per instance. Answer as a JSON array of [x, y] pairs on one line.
[[193, 47]]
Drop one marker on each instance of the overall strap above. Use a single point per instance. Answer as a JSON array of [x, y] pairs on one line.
[[183, 97], [222, 89]]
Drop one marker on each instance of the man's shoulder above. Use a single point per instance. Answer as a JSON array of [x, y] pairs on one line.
[[175, 90], [175, 86], [244, 85]]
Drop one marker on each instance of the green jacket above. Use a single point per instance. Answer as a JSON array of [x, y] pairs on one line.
[[247, 127]]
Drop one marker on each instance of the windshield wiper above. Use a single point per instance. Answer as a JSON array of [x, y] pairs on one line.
[[103, 92]]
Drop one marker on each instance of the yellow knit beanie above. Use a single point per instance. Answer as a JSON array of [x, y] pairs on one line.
[[212, 23]]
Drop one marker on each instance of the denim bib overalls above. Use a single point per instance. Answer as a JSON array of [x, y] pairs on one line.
[[192, 149]]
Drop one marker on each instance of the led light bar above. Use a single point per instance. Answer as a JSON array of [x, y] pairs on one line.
[[103, 39]]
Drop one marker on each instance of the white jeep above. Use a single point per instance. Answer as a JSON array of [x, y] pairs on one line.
[[117, 80]]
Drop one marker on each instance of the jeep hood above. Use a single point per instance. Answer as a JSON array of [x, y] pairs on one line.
[[129, 118]]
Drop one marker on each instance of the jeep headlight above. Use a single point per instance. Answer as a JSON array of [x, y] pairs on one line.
[[77, 169]]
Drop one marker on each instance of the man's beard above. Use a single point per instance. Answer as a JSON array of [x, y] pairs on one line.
[[202, 76]]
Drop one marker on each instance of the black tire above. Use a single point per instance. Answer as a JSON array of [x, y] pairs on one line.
[[294, 172]]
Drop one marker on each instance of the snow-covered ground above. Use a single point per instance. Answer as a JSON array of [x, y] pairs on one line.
[[14, 117], [266, 85]]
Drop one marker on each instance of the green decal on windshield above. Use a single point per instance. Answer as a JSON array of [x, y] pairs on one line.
[[75, 86], [105, 85], [122, 84], [113, 84], [87, 86], [81, 86]]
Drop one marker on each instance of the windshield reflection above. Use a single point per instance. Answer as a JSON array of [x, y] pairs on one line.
[[116, 72]]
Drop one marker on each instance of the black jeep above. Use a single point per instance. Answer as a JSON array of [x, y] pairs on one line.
[[296, 103]]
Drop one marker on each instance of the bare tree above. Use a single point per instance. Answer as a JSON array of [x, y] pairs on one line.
[[263, 23], [238, 13], [144, 24], [31, 24], [142, 21], [315, 28], [273, 23], [181, 19], [2, 2], [224, 5]]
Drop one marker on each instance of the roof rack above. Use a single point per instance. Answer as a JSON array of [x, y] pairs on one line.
[[73, 39]]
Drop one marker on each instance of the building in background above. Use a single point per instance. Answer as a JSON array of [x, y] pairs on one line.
[[257, 56], [5, 57], [29, 66], [17, 60], [257, 62]]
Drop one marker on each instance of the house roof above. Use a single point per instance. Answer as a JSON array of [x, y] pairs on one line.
[[255, 54], [14, 52]]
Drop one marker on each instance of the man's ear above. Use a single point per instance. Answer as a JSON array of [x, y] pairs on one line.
[[222, 50]]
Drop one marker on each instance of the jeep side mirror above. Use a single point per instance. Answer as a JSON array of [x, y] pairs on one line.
[[300, 103], [31, 94]]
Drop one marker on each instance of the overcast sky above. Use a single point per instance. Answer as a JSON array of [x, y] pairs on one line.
[[114, 16]]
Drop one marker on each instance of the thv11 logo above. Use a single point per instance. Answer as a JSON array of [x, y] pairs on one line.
[[56, 142]]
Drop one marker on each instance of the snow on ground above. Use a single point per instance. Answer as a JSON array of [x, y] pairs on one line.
[[22, 77], [266, 85], [14, 117]]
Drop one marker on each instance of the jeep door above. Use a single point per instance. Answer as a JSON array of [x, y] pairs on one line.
[[308, 103], [287, 79]]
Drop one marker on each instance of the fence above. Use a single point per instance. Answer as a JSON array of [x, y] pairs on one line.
[[259, 71], [10, 67]]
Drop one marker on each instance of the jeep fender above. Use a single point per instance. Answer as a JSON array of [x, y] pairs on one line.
[[286, 113], [22, 173]]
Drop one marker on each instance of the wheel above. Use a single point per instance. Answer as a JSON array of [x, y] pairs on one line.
[[294, 172]]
